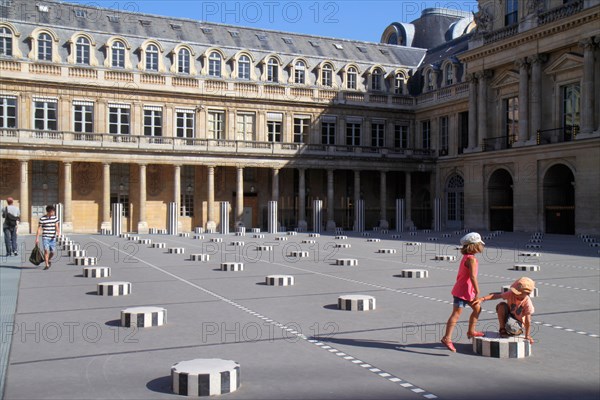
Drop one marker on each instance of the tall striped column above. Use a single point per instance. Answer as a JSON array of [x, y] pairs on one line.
[[437, 214], [399, 215], [317, 215], [60, 213], [272, 214], [117, 215], [224, 217], [172, 228], [360, 216]]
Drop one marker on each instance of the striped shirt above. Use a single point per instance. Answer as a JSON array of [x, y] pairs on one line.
[[48, 225]]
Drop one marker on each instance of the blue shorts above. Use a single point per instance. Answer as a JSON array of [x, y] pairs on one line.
[[49, 244], [458, 302]]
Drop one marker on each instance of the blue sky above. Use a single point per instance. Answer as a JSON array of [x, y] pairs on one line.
[[347, 19]]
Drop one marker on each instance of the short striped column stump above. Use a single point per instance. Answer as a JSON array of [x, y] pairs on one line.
[[497, 347], [105, 231], [200, 257], [162, 231], [239, 234], [158, 245], [133, 238], [443, 257], [433, 239], [279, 280], [414, 273], [426, 231], [595, 244], [387, 251], [446, 235], [255, 230], [114, 288], [199, 237], [85, 260], [373, 240], [232, 266], [526, 267], [281, 238], [535, 240], [533, 294], [264, 248], [292, 233], [237, 244], [533, 246], [314, 235], [96, 272], [308, 241], [216, 240], [258, 236], [413, 243], [339, 231], [70, 247], [143, 317], [123, 235], [205, 377], [76, 253], [152, 231], [299, 254], [396, 236], [356, 302], [347, 262], [589, 240], [529, 254], [145, 241], [184, 234], [343, 245], [366, 234], [385, 231], [198, 230], [412, 234], [176, 250], [341, 237]]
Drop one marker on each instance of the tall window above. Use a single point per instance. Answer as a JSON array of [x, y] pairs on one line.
[[328, 130], [399, 84], [186, 208], [244, 68], [119, 119], [185, 123], [45, 115], [183, 61], [6, 41], [118, 54], [376, 79], [377, 134], [214, 64], [571, 99], [245, 127], [352, 78], [429, 80], [301, 125], [82, 51], [152, 121], [511, 16], [449, 74], [426, 134], [44, 47], [401, 136], [274, 127], [119, 186], [511, 130], [300, 72], [327, 75], [353, 134], [152, 58], [444, 135], [455, 198], [216, 125], [8, 112], [83, 116], [272, 70]]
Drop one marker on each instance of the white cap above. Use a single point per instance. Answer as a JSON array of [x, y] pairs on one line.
[[471, 238]]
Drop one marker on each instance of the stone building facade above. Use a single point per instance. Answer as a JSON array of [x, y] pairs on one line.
[[99, 106]]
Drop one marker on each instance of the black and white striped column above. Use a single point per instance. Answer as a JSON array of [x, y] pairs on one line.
[[414, 273], [96, 272], [360, 216], [172, 218], [399, 215], [60, 213], [512, 347], [143, 317], [279, 280], [114, 288], [356, 302], [317, 215], [224, 218], [272, 215], [437, 214], [117, 216], [205, 377]]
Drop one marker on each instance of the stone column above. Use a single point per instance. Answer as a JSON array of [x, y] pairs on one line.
[[472, 113], [482, 108], [239, 197], [24, 197], [302, 199], [383, 222], [587, 87], [177, 193], [211, 224], [523, 100], [275, 186], [408, 201], [356, 195], [67, 224], [330, 202], [142, 223], [536, 95], [106, 223]]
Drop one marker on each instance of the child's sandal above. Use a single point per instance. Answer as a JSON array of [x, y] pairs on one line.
[[503, 333], [449, 345]]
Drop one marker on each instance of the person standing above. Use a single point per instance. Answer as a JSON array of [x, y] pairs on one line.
[[49, 228], [12, 216]]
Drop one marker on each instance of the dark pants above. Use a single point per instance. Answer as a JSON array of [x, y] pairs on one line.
[[10, 239]]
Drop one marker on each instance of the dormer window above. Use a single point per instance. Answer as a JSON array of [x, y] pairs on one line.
[[6, 42], [327, 75], [429, 80], [272, 70], [376, 79], [118, 54], [449, 74], [214, 64], [511, 15], [44, 47], [300, 72], [351, 78], [82, 51], [152, 58], [244, 68], [183, 61], [399, 84]]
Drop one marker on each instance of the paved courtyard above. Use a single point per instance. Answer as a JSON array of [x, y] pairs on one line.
[[292, 342]]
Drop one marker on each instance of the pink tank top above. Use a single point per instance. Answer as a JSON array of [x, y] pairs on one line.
[[463, 288]]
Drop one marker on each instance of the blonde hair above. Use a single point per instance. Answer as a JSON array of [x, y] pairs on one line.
[[472, 248]]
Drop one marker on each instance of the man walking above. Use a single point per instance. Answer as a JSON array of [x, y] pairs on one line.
[[12, 216], [50, 229]]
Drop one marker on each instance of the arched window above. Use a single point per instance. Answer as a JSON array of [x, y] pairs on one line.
[[300, 72], [399, 84], [214, 64], [272, 70], [44, 47], [6, 42], [449, 72], [152, 58], [392, 39], [429, 79], [244, 68], [118, 54], [82, 51], [183, 61], [352, 78], [376, 79], [327, 75]]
